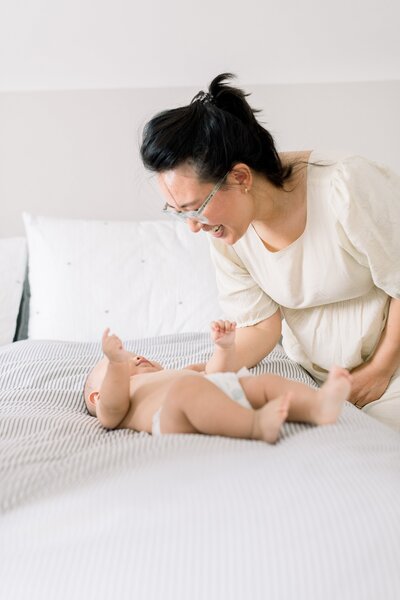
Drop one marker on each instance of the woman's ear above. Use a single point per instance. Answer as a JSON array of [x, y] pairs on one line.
[[242, 175]]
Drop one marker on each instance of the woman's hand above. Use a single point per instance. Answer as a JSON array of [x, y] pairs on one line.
[[368, 384], [223, 333]]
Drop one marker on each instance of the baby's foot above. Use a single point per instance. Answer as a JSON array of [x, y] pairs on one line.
[[269, 418], [331, 396]]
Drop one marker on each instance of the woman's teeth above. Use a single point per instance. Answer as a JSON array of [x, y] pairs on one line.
[[216, 228]]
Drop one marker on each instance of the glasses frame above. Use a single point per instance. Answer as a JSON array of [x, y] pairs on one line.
[[196, 215]]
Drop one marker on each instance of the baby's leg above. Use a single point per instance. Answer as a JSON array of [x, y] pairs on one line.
[[309, 405], [196, 405]]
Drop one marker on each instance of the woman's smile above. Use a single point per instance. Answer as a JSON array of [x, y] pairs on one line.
[[217, 231], [214, 230]]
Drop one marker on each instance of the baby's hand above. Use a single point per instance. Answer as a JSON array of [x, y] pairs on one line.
[[113, 348], [223, 333]]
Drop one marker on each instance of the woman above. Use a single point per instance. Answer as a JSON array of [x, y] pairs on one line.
[[304, 244]]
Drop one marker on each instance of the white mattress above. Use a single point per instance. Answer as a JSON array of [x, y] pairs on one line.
[[95, 514]]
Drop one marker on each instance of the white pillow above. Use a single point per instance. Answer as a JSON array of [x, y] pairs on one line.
[[140, 279], [12, 274]]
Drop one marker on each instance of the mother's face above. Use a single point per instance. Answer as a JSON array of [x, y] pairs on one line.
[[228, 213]]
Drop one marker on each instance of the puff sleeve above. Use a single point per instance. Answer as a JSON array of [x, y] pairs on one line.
[[241, 298], [365, 198]]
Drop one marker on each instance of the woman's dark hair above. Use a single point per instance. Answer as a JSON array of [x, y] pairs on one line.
[[217, 130]]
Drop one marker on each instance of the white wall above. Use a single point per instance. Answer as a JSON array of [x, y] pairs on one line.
[[75, 79], [103, 44], [75, 153]]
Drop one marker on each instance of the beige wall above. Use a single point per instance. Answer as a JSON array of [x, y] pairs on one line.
[[75, 153], [114, 44]]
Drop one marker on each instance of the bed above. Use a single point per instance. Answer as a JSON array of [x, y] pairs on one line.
[[94, 514]]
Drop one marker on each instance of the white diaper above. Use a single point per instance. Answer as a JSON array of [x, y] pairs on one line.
[[227, 382], [230, 384], [155, 422]]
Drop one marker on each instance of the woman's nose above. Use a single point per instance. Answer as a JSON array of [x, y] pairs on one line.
[[194, 225]]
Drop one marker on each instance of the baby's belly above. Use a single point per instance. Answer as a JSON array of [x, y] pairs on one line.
[[148, 394], [140, 417]]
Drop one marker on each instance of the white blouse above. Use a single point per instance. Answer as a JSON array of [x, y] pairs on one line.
[[333, 283]]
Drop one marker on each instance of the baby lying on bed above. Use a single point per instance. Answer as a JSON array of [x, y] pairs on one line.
[[124, 390]]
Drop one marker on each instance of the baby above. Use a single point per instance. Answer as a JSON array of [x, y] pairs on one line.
[[124, 390]]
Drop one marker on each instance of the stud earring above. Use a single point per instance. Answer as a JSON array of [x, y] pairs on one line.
[[246, 190]]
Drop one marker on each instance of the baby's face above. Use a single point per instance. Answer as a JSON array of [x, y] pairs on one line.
[[138, 365]]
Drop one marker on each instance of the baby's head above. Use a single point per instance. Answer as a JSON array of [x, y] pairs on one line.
[[138, 365]]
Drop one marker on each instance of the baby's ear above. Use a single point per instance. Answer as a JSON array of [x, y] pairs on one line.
[[93, 397]]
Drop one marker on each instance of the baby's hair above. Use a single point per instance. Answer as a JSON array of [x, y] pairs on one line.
[[217, 130]]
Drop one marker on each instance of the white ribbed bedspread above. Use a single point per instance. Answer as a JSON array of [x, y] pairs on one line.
[[94, 514]]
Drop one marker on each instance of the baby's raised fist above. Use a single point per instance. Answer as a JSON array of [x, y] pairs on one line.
[[223, 333], [113, 347]]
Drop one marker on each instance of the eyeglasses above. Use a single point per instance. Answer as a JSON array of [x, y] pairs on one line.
[[195, 214]]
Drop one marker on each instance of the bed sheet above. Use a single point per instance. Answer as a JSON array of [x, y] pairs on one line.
[[90, 513]]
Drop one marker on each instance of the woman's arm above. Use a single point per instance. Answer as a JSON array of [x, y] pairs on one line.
[[251, 345], [371, 379], [255, 342]]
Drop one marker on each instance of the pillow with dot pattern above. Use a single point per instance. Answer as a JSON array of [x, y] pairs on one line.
[[12, 274], [141, 279]]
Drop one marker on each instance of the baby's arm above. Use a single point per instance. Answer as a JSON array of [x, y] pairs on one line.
[[114, 397], [224, 355]]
